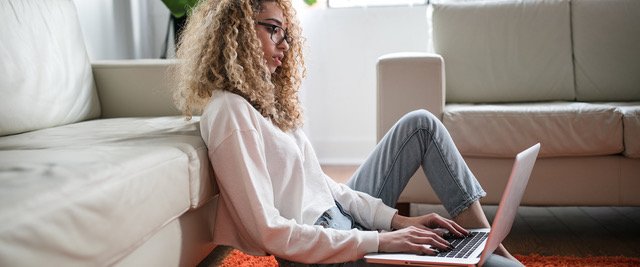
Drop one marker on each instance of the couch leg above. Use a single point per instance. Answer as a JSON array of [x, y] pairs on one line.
[[404, 209]]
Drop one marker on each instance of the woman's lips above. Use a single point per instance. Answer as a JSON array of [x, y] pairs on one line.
[[277, 61]]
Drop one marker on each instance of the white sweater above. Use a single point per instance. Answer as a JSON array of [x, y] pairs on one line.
[[272, 190]]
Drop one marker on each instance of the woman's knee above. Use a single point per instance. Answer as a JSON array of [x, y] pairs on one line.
[[420, 117]]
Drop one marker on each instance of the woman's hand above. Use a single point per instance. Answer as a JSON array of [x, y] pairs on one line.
[[429, 222], [415, 233], [413, 240]]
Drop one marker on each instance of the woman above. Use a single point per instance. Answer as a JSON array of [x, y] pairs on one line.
[[241, 66]]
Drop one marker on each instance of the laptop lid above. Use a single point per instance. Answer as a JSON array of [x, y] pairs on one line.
[[513, 192], [507, 209]]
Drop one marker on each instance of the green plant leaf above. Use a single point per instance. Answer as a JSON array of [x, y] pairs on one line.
[[310, 2], [179, 8]]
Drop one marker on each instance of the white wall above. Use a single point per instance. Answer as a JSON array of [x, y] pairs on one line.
[[339, 93], [340, 89], [106, 26]]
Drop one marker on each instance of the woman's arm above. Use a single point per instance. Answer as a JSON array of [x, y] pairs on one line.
[[239, 162], [371, 212], [409, 234], [415, 232]]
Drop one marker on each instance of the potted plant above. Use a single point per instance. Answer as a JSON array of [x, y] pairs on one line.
[[179, 11]]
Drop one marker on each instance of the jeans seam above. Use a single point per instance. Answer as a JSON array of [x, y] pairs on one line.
[[460, 187], [468, 199], [394, 161]]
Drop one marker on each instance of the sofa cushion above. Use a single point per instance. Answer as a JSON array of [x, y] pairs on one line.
[[90, 192], [45, 75], [563, 129], [606, 35], [631, 124], [505, 51]]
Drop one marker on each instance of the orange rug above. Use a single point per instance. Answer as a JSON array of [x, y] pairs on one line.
[[237, 258]]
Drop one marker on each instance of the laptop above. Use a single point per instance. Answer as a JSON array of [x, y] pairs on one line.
[[475, 249]]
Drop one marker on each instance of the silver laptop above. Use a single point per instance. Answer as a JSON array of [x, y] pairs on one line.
[[475, 250]]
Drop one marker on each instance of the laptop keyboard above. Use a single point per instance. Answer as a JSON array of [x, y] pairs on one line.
[[464, 246]]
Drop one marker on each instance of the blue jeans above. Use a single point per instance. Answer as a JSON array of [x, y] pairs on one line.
[[417, 140]]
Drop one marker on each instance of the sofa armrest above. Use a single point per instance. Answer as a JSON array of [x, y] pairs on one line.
[[134, 88], [406, 82]]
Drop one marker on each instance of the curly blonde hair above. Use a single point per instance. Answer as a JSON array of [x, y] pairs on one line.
[[219, 50]]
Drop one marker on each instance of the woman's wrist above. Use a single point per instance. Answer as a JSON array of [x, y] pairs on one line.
[[398, 221]]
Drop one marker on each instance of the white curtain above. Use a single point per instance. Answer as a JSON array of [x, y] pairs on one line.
[[124, 29]]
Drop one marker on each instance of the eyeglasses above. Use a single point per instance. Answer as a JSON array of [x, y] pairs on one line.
[[277, 33]]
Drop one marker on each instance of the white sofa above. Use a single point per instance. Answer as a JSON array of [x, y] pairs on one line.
[[507, 74], [96, 166]]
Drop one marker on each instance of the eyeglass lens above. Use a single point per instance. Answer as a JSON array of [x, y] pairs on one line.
[[278, 34]]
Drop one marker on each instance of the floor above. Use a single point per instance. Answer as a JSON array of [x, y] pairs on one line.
[[568, 231]]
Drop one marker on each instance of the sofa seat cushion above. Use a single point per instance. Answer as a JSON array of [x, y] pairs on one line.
[[631, 125], [91, 192], [563, 129]]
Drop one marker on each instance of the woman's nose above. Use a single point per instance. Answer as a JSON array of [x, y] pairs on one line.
[[284, 45]]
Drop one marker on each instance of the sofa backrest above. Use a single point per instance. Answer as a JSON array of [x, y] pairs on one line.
[[45, 73], [606, 41], [505, 51]]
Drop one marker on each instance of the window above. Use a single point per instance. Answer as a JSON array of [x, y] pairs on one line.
[[369, 3]]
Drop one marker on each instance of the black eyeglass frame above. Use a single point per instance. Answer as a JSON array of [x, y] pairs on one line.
[[273, 28]]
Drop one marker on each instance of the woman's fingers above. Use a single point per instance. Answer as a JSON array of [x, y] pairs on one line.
[[460, 229], [425, 250], [450, 225], [425, 237], [413, 240], [457, 229]]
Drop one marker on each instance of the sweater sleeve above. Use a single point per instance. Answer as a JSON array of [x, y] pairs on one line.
[[241, 169], [369, 211]]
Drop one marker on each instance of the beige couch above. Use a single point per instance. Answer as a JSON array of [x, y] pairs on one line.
[[508, 74], [96, 167]]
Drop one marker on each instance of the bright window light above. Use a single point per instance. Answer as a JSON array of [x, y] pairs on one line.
[[368, 3]]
